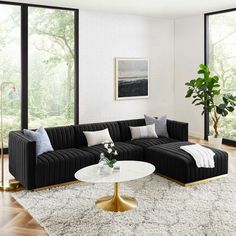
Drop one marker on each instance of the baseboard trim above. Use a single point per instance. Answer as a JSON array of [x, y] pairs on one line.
[[192, 183], [196, 135], [55, 185]]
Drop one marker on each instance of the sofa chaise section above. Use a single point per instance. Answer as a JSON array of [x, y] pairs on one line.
[[173, 162]]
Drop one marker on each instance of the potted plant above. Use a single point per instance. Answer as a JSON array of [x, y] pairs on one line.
[[206, 92], [108, 158]]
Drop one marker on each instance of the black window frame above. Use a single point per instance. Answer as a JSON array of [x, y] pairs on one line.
[[206, 116], [24, 59]]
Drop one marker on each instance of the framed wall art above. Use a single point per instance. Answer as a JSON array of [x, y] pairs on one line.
[[132, 78]]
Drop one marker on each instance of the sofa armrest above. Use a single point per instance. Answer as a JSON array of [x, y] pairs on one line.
[[177, 130], [22, 158]]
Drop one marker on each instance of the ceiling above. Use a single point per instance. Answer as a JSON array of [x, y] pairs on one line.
[[155, 8]]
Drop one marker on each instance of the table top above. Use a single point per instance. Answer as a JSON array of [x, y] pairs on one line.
[[129, 170]]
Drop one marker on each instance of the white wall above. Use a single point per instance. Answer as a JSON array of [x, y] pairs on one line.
[[189, 53], [105, 36]]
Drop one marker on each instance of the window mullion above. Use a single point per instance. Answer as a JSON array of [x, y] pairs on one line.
[[24, 67]]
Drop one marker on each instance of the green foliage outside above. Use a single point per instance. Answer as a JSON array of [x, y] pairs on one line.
[[51, 67], [51, 92], [10, 67], [222, 62]]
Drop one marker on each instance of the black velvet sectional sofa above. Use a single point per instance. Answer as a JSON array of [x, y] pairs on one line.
[[71, 153]]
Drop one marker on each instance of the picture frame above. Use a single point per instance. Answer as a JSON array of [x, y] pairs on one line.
[[131, 78]]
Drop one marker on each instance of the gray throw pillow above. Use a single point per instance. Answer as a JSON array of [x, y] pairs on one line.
[[160, 124], [41, 138]]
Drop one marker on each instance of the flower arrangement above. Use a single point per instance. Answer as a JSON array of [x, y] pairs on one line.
[[109, 156]]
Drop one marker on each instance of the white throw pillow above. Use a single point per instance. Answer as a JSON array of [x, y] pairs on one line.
[[147, 131], [97, 137], [41, 138]]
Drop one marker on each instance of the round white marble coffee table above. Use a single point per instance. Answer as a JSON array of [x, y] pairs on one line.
[[129, 170]]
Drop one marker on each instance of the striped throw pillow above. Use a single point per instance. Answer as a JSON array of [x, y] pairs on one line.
[[147, 131]]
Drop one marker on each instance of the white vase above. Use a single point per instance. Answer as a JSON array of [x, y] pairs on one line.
[[215, 142], [107, 169], [104, 169]]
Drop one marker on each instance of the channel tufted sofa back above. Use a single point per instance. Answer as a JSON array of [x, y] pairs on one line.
[[125, 130], [62, 137]]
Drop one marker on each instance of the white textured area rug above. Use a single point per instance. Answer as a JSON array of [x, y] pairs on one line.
[[164, 208]]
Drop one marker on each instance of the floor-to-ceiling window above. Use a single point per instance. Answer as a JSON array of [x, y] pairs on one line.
[[221, 58], [38, 66], [51, 51], [10, 67]]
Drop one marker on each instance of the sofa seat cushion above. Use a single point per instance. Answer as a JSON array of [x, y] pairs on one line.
[[148, 142], [60, 166], [126, 151], [177, 164]]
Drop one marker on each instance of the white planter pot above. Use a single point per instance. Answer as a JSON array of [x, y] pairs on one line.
[[215, 142]]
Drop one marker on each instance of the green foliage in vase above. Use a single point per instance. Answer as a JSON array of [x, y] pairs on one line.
[[206, 91]]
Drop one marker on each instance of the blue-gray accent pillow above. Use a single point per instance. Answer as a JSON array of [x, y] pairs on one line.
[[160, 125], [41, 138]]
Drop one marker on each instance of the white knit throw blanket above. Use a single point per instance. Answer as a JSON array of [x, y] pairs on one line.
[[203, 156]]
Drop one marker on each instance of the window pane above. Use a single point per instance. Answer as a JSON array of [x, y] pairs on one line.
[[10, 68], [222, 61], [51, 67]]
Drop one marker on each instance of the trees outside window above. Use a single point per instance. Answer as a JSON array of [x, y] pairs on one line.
[[52, 63], [10, 65], [222, 60], [51, 67]]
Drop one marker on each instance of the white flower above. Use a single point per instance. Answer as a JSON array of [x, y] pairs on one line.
[[112, 145], [109, 150], [102, 154], [106, 145], [115, 153]]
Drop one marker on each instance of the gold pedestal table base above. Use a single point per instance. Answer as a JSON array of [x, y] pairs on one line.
[[116, 202], [129, 170]]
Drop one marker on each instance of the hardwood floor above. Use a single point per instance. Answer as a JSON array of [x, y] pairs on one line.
[[16, 221]]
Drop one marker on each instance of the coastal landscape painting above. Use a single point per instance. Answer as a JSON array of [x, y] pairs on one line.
[[132, 78]]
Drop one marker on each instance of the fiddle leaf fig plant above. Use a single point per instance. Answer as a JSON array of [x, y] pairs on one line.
[[206, 91]]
